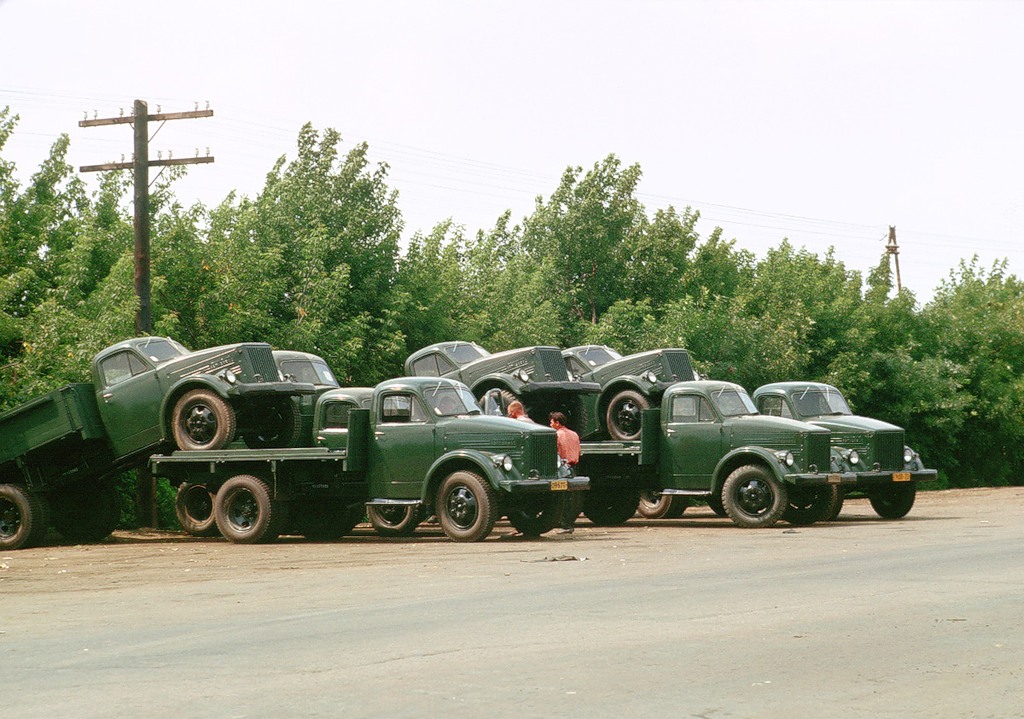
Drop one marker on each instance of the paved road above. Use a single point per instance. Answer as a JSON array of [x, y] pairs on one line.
[[684, 618]]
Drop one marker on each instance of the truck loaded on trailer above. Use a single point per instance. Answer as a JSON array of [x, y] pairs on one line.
[[60, 453], [408, 448]]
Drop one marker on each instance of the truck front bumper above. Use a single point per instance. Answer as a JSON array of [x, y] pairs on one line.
[[861, 479], [554, 484], [255, 390]]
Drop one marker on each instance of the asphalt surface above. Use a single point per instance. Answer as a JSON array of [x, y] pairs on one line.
[[860, 617]]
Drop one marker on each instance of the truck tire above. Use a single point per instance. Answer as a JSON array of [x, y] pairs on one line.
[[86, 513], [245, 511], [610, 508], [23, 520], [836, 508], [193, 506], [623, 415], [537, 514], [395, 520], [280, 426], [715, 505], [753, 498], [893, 502], [661, 506], [810, 505], [202, 420], [466, 506]]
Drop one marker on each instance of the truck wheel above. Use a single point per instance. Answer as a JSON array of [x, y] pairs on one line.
[[610, 508], [86, 513], [623, 415], [193, 506], [716, 506], [835, 508], [807, 506], [538, 514], [23, 521], [661, 506], [245, 512], [893, 502], [394, 520], [753, 498], [280, 426], [202, 420], [466, 506]]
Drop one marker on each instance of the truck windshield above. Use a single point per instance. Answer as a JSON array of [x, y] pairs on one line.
[[317, 373], [597, 356], [733, 403], [450, 401], [818, 401], [463, 352], [159, 350]]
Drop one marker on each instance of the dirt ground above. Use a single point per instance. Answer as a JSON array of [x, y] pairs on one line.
[[860, 617]]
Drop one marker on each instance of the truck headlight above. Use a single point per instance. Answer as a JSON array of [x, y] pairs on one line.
[[651, 377], [908, 455], [785, 457], [523, 375], [229, 377], [853, 457], [503, 461]]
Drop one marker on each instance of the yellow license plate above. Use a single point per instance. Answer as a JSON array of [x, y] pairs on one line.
[[901, 476], [559, 485]]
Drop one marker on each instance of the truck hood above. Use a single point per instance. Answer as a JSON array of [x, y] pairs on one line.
[[764, 429], [669, 365], [853, 423]]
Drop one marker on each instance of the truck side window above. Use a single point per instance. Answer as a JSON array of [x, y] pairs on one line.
[[684, 409], [772, 406], [336, 415], [705, 412], [121, 366], [426, 367], [402, 408]]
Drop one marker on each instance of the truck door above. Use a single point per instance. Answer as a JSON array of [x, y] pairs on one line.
[[692, 442], [401, 446], [129, 397]]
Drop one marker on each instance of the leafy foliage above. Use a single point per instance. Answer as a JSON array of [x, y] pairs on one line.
[[313, 263]]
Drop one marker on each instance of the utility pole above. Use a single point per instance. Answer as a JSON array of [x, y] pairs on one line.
[[140, 165], [893, 249], [145, 483]]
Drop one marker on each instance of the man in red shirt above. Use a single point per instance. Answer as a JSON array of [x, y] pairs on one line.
[[568, 443]]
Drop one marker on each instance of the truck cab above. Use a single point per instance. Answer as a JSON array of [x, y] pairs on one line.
[[536, 376], [629, 384], [153, 392]]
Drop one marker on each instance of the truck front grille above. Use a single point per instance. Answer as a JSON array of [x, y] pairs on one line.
[[678, 365], [818, 452], [261, 360], [887, 450], [550, 366]]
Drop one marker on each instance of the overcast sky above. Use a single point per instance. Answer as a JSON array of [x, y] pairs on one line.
[[824, 122]]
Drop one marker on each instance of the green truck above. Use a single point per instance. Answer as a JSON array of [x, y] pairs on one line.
[[536, 376], [886, 470], [628, 384], [59, 453], [707, 441], [408, 448]]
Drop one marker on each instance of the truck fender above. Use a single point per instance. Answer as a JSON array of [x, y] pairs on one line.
[[498, 381], [622, 383], [460, 459], [185, 384], [747, 455]]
